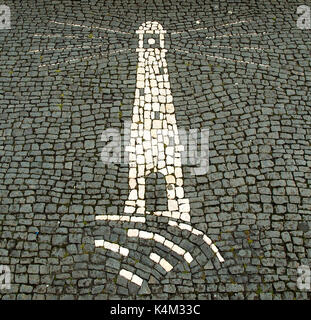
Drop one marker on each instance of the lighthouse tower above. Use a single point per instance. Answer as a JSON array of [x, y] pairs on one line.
[[154, 141]]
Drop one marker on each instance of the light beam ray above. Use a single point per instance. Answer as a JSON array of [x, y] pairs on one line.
[[212, 27], [65, 48], [223, 58], [229, 35], [88, 27], [237, 48], [98, 55], [63, 36]]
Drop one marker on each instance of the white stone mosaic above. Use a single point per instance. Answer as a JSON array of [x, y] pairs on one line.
[[154, 153], [154, 147]]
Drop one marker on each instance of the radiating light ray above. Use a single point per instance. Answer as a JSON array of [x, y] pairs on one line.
[[223, 58], [228, 35], [269, 52], [232, 23], [95, 18], [88, 27], [85, 58], [291, 70], [53, 36], [280, 68], [66, 48], [213, 27], [63, 36], [237, 48]]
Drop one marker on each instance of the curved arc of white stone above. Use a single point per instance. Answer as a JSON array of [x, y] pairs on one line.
[[130, 276], [121, 218], [206, 239], [161, 261], [136, 233], [112, 247]]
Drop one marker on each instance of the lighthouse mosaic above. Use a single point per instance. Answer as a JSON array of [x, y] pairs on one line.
[[154, 143], [154, 147]]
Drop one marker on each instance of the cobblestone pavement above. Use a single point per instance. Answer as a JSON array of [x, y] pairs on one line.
[[68, 73]]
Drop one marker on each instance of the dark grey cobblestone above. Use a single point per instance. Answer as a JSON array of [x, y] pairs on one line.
[[254, 202]]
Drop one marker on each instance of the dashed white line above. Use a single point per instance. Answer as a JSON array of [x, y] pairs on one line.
[[237, 34], [223, 58], [67, 48], [207, 28], [89, 27], [84, 58]]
